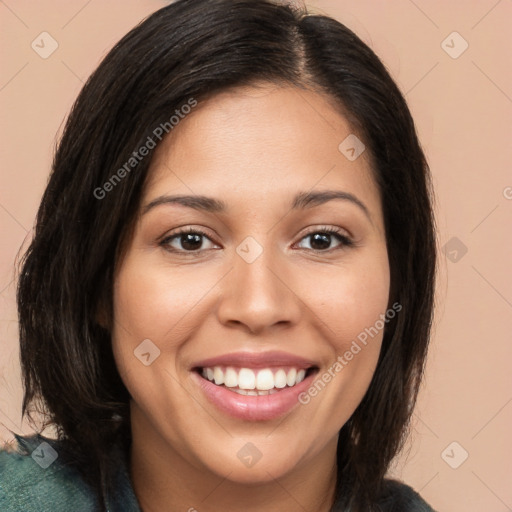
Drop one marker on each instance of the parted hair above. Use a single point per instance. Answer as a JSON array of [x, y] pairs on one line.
[[195, 49]]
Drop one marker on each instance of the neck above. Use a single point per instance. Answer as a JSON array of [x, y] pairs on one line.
[[163, 480]]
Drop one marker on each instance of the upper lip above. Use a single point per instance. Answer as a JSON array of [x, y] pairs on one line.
[[267, 359]]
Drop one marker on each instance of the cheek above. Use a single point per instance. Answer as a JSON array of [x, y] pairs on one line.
[[161, 304], [348, 300], [153, 302], [350, 305], [150, 303]]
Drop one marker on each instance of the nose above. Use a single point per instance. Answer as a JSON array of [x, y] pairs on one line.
[[259, 295]]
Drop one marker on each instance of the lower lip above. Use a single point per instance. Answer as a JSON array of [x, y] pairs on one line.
[[253, 408]]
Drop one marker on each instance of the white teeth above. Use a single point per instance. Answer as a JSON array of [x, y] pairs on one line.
[[246, 381], [265, 380], [290, 378], [230, 378], [252, 392], [280, 379], [218, 376], [240, 391]]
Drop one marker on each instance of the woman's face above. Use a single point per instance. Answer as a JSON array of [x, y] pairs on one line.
[[265, 298]]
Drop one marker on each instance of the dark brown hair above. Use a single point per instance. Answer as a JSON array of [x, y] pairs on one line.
[[193, 49]]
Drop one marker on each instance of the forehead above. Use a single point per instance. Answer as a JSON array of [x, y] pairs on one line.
[[260, 141]]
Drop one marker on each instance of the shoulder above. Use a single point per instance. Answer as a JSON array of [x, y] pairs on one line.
[[34, 476], [399, 497]]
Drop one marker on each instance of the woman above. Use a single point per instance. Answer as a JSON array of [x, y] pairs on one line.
[[227, 301]]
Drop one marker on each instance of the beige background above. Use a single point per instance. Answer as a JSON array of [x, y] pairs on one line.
[[463, 110]]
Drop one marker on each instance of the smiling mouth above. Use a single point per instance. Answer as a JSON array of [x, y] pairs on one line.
[[257, 381]]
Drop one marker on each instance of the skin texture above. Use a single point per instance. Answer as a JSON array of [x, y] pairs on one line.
[[253, 148]]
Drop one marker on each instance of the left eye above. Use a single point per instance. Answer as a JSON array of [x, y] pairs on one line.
[[324, 237]]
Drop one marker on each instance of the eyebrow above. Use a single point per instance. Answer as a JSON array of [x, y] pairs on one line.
[[301, 201]]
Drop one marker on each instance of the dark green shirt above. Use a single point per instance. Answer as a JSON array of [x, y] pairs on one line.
[[37, 478]]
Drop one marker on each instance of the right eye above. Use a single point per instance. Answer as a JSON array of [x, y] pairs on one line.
[[190, 241]]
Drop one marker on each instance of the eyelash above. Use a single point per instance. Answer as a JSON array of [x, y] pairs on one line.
[[344, 240]]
